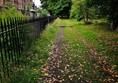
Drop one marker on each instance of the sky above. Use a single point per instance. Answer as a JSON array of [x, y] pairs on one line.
[[37, 3]]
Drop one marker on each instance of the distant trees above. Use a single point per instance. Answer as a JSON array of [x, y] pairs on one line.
[[108, 9], [59, 8], [82, 9], [42, 12], [76, 10], [86, 9]]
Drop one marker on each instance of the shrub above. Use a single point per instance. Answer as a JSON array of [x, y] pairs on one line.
[[9, 10]]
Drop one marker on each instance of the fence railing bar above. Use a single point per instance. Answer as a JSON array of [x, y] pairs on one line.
[[4, 51], [7, 47], [12, 36], [6, 38], [6, 31], [10, 39], [14, 39], [16, 36], [20, 37], [1, 52]]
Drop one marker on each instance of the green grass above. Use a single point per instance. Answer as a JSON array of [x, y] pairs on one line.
[[104, 40], [98, 36], [79, 56], [29, 70]]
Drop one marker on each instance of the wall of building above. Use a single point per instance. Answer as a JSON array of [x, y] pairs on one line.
[[1, 2], [19, 3]]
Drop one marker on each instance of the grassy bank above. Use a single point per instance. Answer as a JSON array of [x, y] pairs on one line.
[[29, 70]]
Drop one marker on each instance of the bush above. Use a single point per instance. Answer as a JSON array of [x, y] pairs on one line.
[[9, 10], [42, 12]]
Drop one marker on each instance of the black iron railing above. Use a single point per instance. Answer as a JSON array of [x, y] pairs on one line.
[[16, 35]]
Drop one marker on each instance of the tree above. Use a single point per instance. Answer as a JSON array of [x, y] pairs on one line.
[[81, 9], [75, 11], [42, 12], [108, 9], [58, 7]]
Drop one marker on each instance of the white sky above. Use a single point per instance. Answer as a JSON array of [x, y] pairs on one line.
[[37, 3]]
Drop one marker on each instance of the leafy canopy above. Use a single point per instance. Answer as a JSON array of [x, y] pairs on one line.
[[108, 9], [58, 7]]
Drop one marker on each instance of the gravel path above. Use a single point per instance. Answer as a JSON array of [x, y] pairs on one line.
[[52, 70]]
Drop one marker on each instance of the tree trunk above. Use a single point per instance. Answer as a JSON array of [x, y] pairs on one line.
[[85, 19], [115, 25], [86, 15]]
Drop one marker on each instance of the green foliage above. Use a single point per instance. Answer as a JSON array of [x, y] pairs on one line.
[[82, 9], [108, 9], [58, 7], [89, 9], [9, 11], [75, 12], [42, 12]]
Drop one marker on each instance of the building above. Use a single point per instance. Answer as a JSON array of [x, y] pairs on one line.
[[19, 3], [1, 3]]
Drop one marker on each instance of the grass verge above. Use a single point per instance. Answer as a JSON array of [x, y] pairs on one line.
[[82, 68], [29, 68], [104, 40]]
